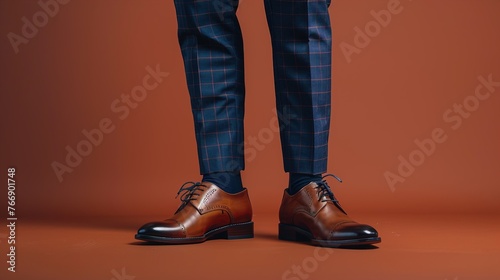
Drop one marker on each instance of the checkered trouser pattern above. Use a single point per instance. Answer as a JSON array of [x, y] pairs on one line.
[[212, 49]]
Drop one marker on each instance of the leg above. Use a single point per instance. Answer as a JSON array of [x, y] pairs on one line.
[[212, 48], [302, 41], [301, 38]]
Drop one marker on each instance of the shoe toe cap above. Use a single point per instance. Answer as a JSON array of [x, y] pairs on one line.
[[354, 231], [168, 228]]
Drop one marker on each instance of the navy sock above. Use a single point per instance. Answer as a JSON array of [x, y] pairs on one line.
[[228, 181], [298, 180]]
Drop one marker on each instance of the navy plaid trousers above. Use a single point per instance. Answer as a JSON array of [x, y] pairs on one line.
[[212, 49]]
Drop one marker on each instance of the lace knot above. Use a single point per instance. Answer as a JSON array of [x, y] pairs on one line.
[[325, 193], [189, 193]]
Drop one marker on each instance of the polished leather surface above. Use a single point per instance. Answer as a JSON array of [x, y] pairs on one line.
[[209, 208], [311, 211]]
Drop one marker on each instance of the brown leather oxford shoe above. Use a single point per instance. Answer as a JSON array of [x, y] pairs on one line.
[[314, 215], [206, 212]]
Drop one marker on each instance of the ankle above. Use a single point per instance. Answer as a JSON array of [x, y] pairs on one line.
[[299, 180], [228, 181]]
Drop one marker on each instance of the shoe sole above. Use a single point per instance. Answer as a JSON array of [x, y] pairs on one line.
[[232, 231], [293, 233]]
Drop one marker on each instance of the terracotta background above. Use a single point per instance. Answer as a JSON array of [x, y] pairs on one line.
[[394, 91]]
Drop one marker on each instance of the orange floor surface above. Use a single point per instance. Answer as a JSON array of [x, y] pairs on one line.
[[453, 247]]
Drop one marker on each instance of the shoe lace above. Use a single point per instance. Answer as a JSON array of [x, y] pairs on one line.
[[325, 193], [188, 193]]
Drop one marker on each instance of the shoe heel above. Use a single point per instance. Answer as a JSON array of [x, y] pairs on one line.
[[286, 233], [240, 231], [289, 233]]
